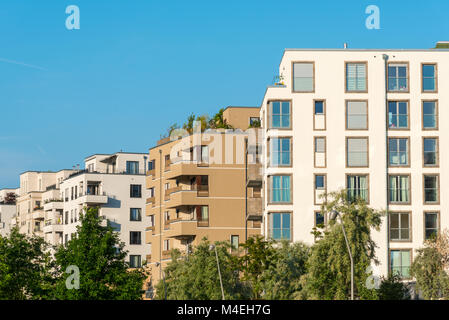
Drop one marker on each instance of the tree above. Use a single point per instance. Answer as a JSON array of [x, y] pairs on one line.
[[99, 255], [25, 267], [430, 268], [218, 122], [195, 276], [10, 198], [282, 278], [392, 288], [329, 275]]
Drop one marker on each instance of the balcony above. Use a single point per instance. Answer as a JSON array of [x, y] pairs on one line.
[[53, 226], [54, 204], [187, 168], [187, 198], [38, 213], [151, 200], [168, 192], [93, 199], [148, 258], [254, 176], [151, 172]]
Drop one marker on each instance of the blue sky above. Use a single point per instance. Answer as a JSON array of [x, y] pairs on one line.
[[143, 65]]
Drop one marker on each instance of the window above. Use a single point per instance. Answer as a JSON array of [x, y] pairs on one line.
[[398, 151], [319, 107], [204, 154], [400, 226], [356, 77], [429, 115], [280, 114], [151, 192], [431, 194], [303, 77], [356, 115], [202, 216], [135, 214], [166, 245], [357, 152], [398, 77], [151, 220], [280, 152], [430, 151], [399, 189], [234, 243], [166, 216], [280, 226], [280, 189], [132, 167], [254, 121], [151, 165], [400, 261], [398, 114], [135, 191], [320, 182], [320, 152], [429, 79], [319, 115], [431, 224], [319, 219], [134, 237], [357, 187], [135, 261]]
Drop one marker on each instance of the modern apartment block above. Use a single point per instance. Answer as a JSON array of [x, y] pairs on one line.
[[197, 186], [369, 121], [7, 211]]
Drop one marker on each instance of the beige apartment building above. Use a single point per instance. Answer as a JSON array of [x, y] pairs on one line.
[[196, 188], [369, 121], [7, 211]]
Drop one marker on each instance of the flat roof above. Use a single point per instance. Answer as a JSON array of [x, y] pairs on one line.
[[111, 154], [369, 50]]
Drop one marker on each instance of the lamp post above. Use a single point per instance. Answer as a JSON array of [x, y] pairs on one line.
[[163, 279], [213, 247], [333, 216]]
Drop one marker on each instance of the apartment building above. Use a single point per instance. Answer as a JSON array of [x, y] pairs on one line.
[[7, 211], [369, 121], [115, 183], [197, 186]]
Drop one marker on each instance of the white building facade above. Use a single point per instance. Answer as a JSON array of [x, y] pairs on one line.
[[370, 121], [7, 211]]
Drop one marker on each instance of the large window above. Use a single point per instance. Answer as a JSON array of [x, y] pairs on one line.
[[431, 224], [135, 191], [400, 226], [357, 152], [280, 113], [398, 114], [400, 261], [429, 78], [135, 237], [135, 214], [202, 216], [280, 152], [398, 77], [303, 77], [431, 194], [280, 189], [430, 151], [320, 182], [320, 152], [399, 189], [319, 219], [429, 115], [280, 226], [135, 261], [357, 187], [356, 115], [132, 167], [234, 242], [356, 77], [398, 151]]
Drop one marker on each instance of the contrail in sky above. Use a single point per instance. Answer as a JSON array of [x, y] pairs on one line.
[[22, 64]]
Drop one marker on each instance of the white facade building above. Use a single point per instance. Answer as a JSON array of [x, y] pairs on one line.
[[7, 211], [370, 121]]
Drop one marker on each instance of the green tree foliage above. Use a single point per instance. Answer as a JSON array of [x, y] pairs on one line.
[[99, 255], [218, 122], [392, 288], [430, 268], [195, 276], [25, 267], [329, 268]]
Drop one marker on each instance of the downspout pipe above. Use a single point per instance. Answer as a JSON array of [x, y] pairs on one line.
[[387, 220]]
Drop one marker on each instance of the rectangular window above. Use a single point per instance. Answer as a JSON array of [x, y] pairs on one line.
[[280, 226], [400, 226], [135, 261], [399, 189], [151, 220], [429, 115], [429, 78], [254, 121], [166, 245], [400, 261], [319, 107], [319, 219], [234, 242], [357, 187], [431, 224], [398, 151], [151, 165], [431, 194], [357, 152], [320, 152], [280, 189], [135, 214], [202, 216], [398, 115], [135, 191], [398, 77], [430, 151], [132, 167], [303, 77], [356, 115], [280, 113], [319, 115], [320, 183], [356, 77], [134, 237], [280, 152]]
